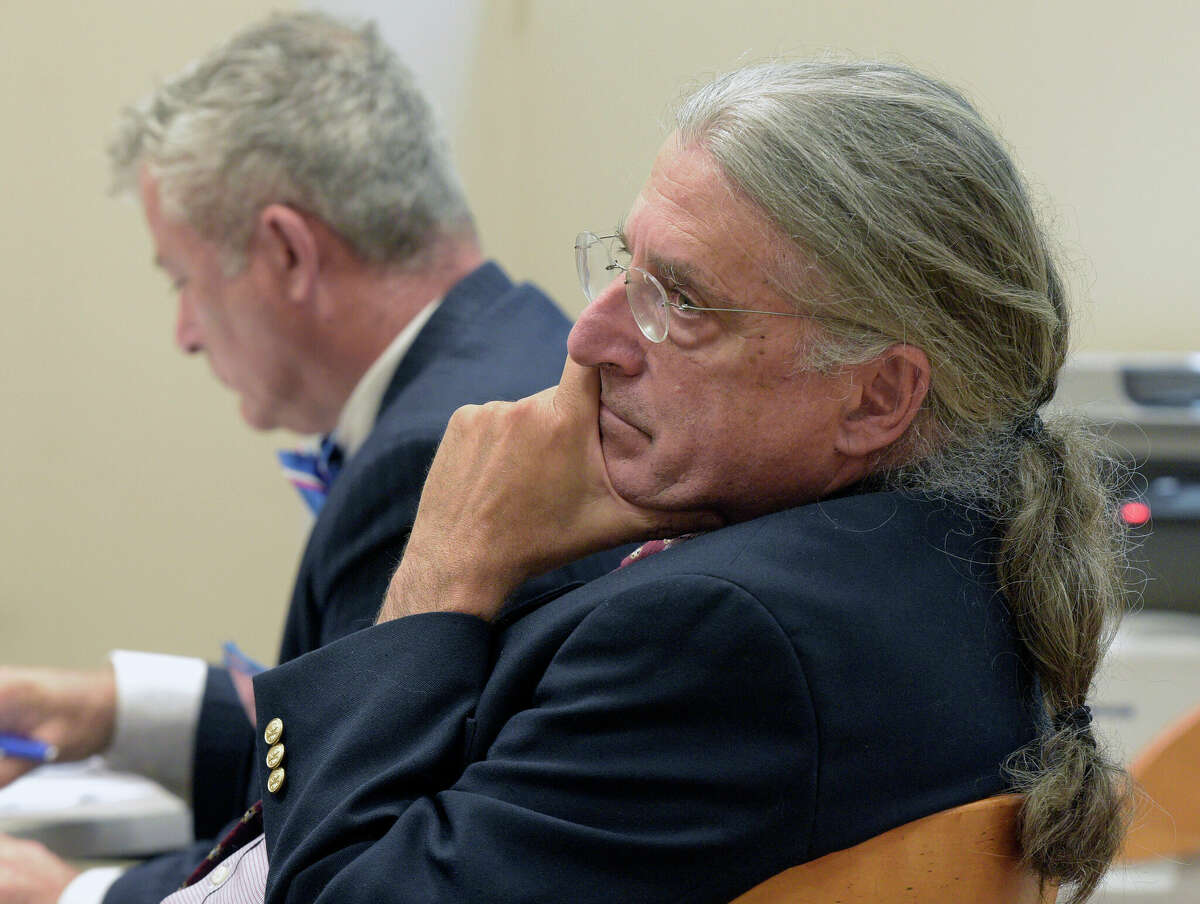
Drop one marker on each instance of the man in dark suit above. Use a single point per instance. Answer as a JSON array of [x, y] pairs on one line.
[[302, 202], [813, 360]]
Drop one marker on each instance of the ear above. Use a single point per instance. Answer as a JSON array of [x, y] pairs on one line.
[[889, 392], [291, 249]]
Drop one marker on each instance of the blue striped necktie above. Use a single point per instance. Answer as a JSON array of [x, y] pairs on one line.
[[313, 473]]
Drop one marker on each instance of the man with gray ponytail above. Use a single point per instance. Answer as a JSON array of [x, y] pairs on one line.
[[924, 232], [811, 368], [302, 202]]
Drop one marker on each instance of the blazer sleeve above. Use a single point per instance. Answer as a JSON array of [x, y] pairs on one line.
[[353, 550], [665, 752], [340, 589]]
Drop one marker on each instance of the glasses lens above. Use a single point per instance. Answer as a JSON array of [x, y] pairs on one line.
[[648, 304], [583, 246], [595, 264]]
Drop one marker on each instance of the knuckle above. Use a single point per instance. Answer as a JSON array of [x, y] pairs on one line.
[[462, 420], [464, 414]]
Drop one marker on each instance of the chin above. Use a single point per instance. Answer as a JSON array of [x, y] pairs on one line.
[[637, 487], [626, 478], [256, 418]]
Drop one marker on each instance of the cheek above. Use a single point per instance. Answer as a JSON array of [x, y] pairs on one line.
[[684, 414], [696, 430], [205, 311], [769, 361]]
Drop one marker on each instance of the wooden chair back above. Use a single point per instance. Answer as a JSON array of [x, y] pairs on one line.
[[968, 853], [1166, 819]]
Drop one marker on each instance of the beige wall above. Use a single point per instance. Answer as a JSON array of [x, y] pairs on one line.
[[133, 500], [1097, 98], [137, 509]]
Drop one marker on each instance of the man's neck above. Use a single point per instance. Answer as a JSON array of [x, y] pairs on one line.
[[368, 306], [358, 415]]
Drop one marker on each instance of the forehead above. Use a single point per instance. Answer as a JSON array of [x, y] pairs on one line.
[[688, 220], [175, 242]]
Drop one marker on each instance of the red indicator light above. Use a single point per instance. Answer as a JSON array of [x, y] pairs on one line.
[[1135, 514]]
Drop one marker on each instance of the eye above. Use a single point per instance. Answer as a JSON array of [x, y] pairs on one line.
[[682, 303], [176, 281]]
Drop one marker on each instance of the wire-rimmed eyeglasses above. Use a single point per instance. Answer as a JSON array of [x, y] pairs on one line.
[[599, 259]]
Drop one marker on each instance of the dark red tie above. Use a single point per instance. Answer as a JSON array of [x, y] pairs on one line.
[[249, 827]]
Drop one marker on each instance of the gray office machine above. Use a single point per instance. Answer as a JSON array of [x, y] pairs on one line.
[[1149, 407]]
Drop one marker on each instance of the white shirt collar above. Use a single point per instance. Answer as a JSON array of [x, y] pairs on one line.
[[358, 415]]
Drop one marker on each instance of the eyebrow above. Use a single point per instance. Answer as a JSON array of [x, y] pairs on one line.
[[689, 277], [682, 275]]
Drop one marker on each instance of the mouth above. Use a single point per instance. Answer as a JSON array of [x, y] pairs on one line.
[[215, 371], [613, 422]]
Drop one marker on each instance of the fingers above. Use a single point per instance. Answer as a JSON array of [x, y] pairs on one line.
[[73, 710], [519, 488], [30, 873], [12, 768]]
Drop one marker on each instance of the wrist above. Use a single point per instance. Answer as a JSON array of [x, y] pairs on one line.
[[416, 588], [101, 706]]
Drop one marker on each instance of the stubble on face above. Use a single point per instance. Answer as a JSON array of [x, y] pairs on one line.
[[718, 416]]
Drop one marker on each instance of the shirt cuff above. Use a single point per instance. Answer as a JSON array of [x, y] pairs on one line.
[[90, 886], [158, 708]]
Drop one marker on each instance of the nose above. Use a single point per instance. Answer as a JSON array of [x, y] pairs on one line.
[[187, 330], [606, 333]]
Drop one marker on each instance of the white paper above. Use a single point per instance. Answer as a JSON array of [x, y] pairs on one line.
[[50, 790], [82, 810]]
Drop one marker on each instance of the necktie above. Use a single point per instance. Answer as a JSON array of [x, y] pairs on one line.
[[249, 827], [313, 473], [650, 547]]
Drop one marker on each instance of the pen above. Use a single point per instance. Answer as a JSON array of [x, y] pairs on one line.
[[27, 748]]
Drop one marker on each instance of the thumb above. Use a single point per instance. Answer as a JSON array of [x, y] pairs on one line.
[[578, 397], [578, 391]]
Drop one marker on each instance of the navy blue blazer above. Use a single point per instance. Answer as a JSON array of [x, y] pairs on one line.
[[489, 339], [678, 730]]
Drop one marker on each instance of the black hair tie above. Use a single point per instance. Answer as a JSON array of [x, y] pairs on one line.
[[1078, 719], [1029, 427]]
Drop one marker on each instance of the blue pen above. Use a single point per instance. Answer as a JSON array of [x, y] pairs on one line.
[[27, 748]]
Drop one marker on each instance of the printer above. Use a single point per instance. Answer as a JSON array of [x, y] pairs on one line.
[[1148, 408]]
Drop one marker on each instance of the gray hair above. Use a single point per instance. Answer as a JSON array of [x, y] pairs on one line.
[[893, 188], [299, 109]]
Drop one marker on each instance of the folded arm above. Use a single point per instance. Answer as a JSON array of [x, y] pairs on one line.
[[660, 740]]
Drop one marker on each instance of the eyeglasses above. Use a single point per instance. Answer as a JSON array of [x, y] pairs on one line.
[[599, 259]]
